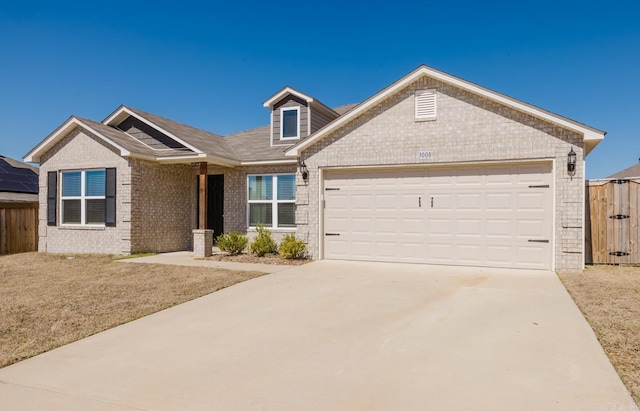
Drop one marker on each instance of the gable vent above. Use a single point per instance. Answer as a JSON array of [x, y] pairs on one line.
[[426, 104]]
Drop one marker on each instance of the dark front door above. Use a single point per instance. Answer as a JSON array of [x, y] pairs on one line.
[[215, 204]]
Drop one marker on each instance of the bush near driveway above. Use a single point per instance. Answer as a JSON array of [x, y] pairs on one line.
[[49, 300], [609, 298]]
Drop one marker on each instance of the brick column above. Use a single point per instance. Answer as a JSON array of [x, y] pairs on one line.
[[202, 243]]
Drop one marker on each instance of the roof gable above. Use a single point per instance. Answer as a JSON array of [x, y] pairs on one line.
[[591, 136]]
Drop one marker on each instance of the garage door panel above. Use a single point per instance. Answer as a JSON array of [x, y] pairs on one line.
[[531, 201], [469, 202], [470, 254], [481, 216], [499, 202], [469, 227], [498, 255], [531, 229], [498, 228]]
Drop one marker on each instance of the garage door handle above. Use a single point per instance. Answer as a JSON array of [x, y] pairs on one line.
[[331, 234], [538, 241], [331, 189], [540, 186]]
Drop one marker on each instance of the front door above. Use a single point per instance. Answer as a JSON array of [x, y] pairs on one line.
[[215, 204]]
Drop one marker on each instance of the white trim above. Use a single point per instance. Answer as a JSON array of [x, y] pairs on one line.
[[267, 162], [286, 90], [130, 112], [584, 212], [321, 214], [590, 135], [308, 119], [271, 128], [297, 110], [273, 202], [34, 155], [554, 173], [82, 198]]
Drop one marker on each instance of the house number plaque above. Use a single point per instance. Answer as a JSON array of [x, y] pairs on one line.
[[425, 155]]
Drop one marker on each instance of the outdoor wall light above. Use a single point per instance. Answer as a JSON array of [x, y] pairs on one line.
[[571, 161], [303, 170]]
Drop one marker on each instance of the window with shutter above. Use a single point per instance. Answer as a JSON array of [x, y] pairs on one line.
[[425, 104], [87, 197]]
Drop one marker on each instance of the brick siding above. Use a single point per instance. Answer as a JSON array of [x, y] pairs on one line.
[[468, 129]]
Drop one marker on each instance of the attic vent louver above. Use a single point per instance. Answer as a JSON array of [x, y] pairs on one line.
[[426, 104]]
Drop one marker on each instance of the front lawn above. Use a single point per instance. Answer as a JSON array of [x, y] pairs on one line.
[[50, 300], [609, 298]]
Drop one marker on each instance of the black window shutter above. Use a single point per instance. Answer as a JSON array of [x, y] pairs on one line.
[[110, 198], [52, 197]]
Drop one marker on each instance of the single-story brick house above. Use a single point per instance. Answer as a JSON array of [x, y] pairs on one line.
[[432, 169]]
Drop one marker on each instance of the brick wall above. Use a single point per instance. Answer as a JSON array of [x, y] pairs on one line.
[[81, 150], [163, 200], [235, 195], [468, 129]]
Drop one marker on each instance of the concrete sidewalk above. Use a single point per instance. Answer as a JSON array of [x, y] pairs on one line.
[[186, 258], [339, 336]]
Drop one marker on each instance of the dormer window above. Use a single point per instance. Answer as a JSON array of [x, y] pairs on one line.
[[290, 122]]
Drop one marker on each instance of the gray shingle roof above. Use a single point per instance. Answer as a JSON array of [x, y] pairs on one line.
[[209, 143], [629, 172], [127, 142], [254, 145]]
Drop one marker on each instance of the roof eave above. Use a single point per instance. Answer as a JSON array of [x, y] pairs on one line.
[[117, 117], [286, 90], [591, 135], [36, 153]]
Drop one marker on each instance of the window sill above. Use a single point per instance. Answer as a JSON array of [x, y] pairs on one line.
[[82, 227], [420, 120]]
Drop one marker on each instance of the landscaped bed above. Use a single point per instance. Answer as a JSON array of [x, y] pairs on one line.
[[609, 298], [50, 300]]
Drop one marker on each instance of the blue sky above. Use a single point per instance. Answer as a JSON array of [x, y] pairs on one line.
[[212, 64]]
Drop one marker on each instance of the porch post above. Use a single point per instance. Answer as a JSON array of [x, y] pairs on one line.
[[203, 196], [202, 238]]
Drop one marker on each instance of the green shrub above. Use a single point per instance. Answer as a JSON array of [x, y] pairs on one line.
[[232, 243], [263, 243], [292, 247]]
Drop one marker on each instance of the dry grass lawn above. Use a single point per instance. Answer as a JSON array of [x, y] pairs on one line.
[[50, 300], [609, 298]]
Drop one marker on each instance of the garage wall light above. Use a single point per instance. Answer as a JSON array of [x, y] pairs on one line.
[[571, 162], [303, 170]]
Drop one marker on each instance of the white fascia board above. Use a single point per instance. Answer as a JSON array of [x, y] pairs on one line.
[[34, 155], [124, 109], [587, 132], [199, 158], [268, 162], [287, 90]]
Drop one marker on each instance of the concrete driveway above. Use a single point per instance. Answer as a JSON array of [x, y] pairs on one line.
[[339, 336]]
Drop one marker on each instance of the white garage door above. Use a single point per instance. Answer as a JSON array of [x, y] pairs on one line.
[[493, 216]]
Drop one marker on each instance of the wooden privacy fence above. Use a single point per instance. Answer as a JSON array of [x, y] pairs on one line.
[[612, 230], [18, 227]]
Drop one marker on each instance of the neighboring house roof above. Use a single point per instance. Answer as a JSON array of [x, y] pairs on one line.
[[18, 181], [629, 172], [591, 136]]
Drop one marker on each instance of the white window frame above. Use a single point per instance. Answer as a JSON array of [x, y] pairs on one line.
[[82, 197], [274, 201], [297, 110]]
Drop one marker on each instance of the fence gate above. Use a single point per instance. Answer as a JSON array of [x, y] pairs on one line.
[[612, 222]]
